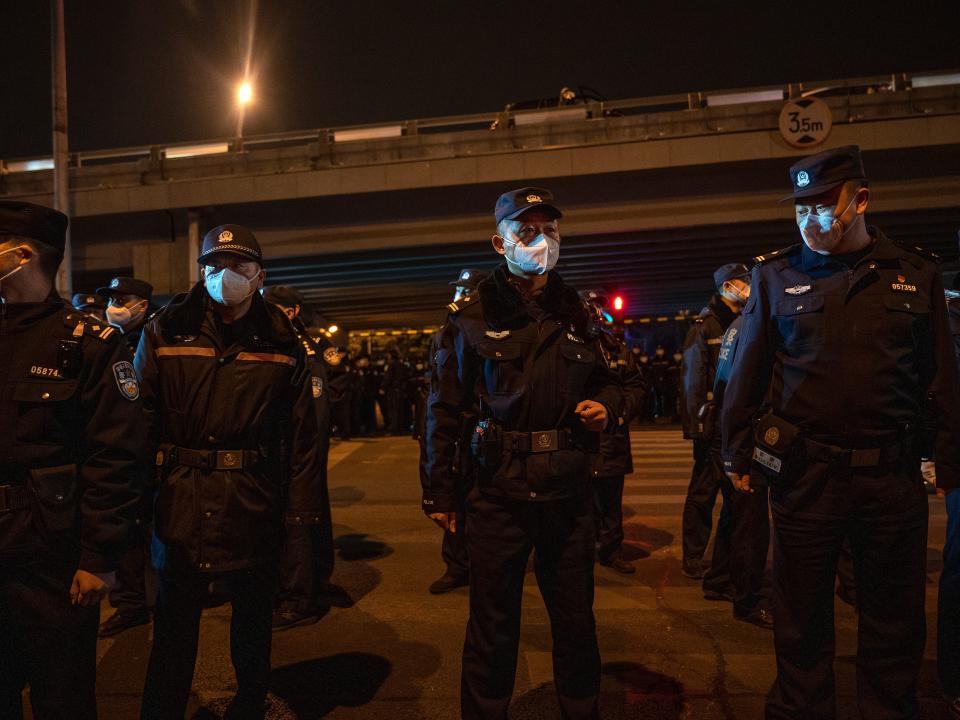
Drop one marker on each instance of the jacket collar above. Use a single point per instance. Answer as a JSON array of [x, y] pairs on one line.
[[184, 315], [882, 249], [504, 308], [721, 311]]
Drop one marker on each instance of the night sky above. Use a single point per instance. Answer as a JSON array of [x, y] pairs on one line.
[[158, 71]]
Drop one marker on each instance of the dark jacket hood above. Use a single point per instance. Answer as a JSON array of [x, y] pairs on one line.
[[505, 309], [184, 315]]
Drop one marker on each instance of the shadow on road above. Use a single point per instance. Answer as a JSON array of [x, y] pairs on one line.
[[313, 688], [628, 691]]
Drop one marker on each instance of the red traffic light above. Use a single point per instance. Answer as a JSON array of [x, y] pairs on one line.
[[618, 303]]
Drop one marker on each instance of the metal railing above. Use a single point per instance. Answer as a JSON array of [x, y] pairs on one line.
[[495, 121]]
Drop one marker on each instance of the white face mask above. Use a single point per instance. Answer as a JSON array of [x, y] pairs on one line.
[[15, 270], [228, 287], [735, 294], [814, 226], [535, 258], [120, 315]]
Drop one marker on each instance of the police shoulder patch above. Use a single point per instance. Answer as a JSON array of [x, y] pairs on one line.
[[85, 324], [316, 386], [925, 254], [461, 304], [126, 378], [774, 254]]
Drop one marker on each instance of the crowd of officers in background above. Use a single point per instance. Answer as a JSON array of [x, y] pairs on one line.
[[185, 447]]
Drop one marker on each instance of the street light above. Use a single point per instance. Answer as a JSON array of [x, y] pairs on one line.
[[244, 97], [244, 93], [332, 329]]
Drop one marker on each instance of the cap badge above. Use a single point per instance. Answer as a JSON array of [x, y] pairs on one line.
[[797, 289], [803, 178], [115, 283], [225, 237], [534, 199], [465, 275]]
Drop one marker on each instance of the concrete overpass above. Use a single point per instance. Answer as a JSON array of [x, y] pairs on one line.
[[370, 222]]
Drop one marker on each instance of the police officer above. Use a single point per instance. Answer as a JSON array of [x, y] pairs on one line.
[[518, 349], [92, 304], [659, 372], [226, 383], [341, 381], [615, 459], [308, 558], [743, 532], [948, 614], [701, 348], [127, 309], [454, 550], [395, 385], [845, 341], [71, 456]]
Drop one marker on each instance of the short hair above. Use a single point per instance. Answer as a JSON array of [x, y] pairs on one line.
[[48, 257]]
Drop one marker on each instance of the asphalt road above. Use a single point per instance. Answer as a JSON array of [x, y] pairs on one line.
[[393, 651]]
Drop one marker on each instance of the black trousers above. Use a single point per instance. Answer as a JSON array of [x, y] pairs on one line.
[[341, 413], [308, 560], [883, 512], [176, 629], [46, 643], [455, 550], [608, 500], [501, 536], [129, 594], [706, 481], [738, 564]]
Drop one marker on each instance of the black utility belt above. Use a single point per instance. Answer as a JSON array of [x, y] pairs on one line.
[[777, 441], [856, 457], [168, 455], [538, 441], [14, 497]]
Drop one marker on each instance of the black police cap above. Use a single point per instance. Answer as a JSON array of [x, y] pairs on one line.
[[231, 239], [283, 295], [127, 286], [82, 301], [512, 204], [36, 222], [824, 171], [469, 278], [730, 271]]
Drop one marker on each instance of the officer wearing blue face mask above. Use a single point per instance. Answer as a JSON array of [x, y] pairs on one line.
[[845, 377], [523, 352], [234, 427]]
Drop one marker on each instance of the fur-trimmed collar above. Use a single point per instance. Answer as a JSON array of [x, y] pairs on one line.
[[184, 315], [505, 309]]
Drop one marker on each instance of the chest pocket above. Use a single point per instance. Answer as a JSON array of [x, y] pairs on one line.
[[801, 322], [502, 366], [905, 321], [45, 411], [577, 363]]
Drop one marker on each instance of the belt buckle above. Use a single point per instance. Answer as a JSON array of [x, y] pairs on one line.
[[865, 458], [229, 460], [544, 441]]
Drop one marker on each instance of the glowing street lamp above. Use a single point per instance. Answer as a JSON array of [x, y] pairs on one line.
[[244, 97], [244, 93]]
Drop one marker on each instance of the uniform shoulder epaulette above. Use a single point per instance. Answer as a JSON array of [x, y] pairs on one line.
[[86, 324], [925, 254], [462, 304], [781, 253]]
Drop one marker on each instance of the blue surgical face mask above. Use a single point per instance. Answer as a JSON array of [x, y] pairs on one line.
[[228, 287], [825, 224], [537, 257]]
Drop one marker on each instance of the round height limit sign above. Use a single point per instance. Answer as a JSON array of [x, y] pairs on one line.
[[805, 122]]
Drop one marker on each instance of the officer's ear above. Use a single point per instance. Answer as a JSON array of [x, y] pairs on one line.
[[260, 277], [497, 242], [862, 199]]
